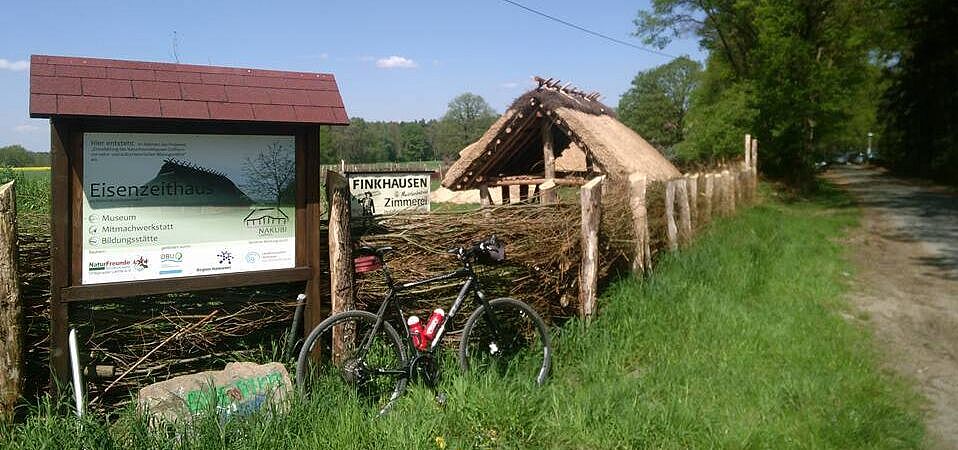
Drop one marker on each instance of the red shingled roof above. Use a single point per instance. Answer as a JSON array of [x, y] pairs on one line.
[[64, 86]]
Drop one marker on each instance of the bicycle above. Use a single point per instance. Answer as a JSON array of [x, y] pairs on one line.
[[365, 350]]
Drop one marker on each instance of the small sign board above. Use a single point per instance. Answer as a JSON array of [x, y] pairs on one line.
[[174, 205], [384, 193]]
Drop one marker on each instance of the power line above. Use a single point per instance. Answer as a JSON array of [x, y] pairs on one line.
[[586, 30]]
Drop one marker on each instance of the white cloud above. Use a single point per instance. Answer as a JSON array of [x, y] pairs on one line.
[[396, 62], [15, 66], [26, 128]]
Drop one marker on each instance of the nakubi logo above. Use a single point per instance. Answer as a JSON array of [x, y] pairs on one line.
[[267, 221]]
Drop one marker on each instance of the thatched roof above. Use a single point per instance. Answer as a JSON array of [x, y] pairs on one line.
[[512, 146]]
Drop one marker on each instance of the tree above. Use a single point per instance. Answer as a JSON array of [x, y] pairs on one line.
[[15, 156], [658, 101], [920, 108], [797, 63], [466, 119], [270, 173]]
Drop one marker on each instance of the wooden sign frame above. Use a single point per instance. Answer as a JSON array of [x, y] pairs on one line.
[[67, 213]]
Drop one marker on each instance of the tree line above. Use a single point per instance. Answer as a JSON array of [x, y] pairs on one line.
[[466, 119], [809, 78], [17, 156]]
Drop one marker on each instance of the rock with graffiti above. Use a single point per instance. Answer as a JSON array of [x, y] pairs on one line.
[[239, 389]]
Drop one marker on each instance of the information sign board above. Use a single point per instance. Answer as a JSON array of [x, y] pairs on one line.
[[175, 205]]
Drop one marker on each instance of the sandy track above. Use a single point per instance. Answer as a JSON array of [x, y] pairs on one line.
[[907, 284]]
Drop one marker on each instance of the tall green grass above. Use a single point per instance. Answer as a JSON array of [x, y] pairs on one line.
[[735, 342], [32, 188]]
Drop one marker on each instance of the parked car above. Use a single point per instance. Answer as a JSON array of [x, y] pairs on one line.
[[841, 158], [858, 158]]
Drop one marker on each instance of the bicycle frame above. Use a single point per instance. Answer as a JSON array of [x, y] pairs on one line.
[[471, 283]]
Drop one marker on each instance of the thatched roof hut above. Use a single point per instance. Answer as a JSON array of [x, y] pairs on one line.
[[542, 125]]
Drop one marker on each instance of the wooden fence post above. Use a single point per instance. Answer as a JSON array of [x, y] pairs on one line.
[[11, 332], [670, 228], [693, 185], [340, 256], [748, 150], [754, 173], [640, 223], [685, 219], [547, 192], [591, 203], [709, 194]]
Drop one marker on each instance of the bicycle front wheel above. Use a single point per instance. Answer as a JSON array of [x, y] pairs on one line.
[[507, 336], [344, 349]]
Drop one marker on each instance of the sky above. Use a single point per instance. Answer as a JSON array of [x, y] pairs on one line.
[[392, 60]]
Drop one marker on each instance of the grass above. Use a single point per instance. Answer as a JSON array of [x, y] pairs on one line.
[[735, 342]]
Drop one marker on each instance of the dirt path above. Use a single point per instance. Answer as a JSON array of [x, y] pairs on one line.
[[907, 284]]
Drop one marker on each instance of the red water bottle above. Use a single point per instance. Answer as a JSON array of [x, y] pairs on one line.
[[432, 325], [416, 332]]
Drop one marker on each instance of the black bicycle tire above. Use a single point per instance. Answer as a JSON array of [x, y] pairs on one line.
[[544, 335], [310, 341]]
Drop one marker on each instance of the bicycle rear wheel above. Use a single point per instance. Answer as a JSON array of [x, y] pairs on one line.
[[507, 336], [333, 354]]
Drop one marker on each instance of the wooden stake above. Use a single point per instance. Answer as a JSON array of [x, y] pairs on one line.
[[671, 229], [685, 216], [11, 310], [748, 150], [642, 261], [340, 258], [547, 193], [709, 195], [591, 202], [693, 184], [549, 162]]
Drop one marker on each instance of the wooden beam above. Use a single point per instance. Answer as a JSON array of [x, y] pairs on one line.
[[536, 181], [591, 202], [642, 260], [60, 214], [184, 284], [549, 162], [11, 310], [314, 243]]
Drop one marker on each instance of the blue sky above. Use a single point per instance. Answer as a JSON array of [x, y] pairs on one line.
[[393, 60]]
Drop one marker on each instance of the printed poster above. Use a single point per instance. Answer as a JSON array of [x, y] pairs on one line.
[[176, 205]]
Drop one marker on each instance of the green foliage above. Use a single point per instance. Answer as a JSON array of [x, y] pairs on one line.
[[465, 121], [32, 189], [17, 156], [366, 142], [735, 342], [920, 108], [804, 67], [658, 101], [715, 129]]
